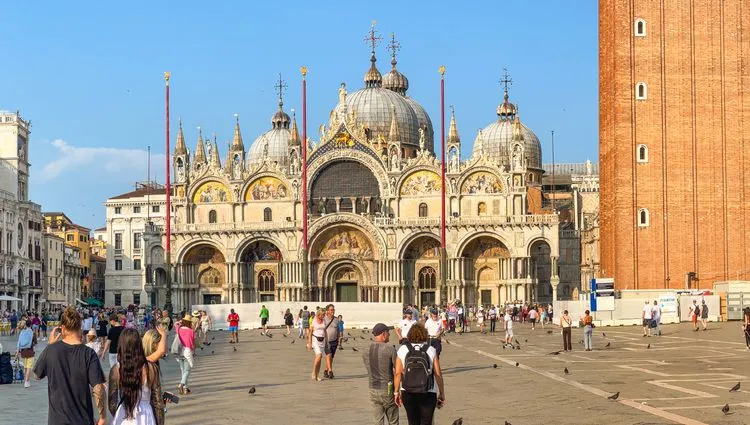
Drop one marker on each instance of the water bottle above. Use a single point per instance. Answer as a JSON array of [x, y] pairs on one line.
[[390, 388]]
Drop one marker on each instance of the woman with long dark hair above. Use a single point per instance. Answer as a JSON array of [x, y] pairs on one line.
[[134, 391]]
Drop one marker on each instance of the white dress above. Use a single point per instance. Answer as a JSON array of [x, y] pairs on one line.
[[143, 414]]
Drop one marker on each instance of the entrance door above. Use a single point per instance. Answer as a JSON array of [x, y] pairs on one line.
[[346, 292], [266, 298], [211, 299], [486, 297], [426, 298]]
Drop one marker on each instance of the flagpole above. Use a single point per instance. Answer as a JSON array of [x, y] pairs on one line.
[[307, 295], [168, 228], [443, 254]]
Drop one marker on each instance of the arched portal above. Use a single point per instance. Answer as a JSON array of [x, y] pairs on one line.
[[484, 270], [421, 270], [345, 186], [541, 269], [207, 266], [343, 263], [259, 271]]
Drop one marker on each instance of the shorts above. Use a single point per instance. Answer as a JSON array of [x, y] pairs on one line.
[[112, 360], [263, 321], [480, 320], [318, 346], [331, 348], [34, 328], [232, 328], [532, 321], [437, 344], [27, 363], [509, 333], [646, 322]]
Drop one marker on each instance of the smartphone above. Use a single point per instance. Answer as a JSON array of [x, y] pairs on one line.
[[170, 397]]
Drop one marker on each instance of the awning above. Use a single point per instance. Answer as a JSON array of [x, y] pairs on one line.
[[79, 301], [94, 301]]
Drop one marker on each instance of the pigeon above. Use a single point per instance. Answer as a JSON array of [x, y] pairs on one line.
[[614, 396], [725, 409], [566, 371], [213, 338], [341, 348], [201, 348], [447, 342], [517, 343], [735, 388], [292, 341], [212, 351], [235, 348], [608, 345], [370, 338], [516, 364], [494, 366], [648, 346], [508, 423], [354, 349], [284, 335], [549, 332], [252, 390], [525, 340], [459, 421], [555, 353], [604, 335]]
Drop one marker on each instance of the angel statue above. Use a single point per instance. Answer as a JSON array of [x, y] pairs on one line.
[[322, 131], [342, 92], [421, 138]]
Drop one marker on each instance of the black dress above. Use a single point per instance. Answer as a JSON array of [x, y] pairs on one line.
[[289, 319]]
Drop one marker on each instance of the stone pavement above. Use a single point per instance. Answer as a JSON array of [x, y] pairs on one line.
[[683, 377]]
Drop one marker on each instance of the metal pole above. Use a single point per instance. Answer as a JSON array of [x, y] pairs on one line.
[[443, 254], [553, 171], [168, 251], [306, 293]]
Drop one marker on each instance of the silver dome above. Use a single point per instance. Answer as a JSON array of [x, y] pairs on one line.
[[373, 107], [278, 146], [498, 136]]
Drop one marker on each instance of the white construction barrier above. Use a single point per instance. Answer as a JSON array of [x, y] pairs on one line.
[[355, 315]]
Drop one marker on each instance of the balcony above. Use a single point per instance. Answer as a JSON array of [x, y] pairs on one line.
[[407, 221], [118, 252], [137, 251], [569, 234], [231, 227]]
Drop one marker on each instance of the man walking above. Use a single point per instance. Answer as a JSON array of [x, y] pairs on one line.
[[332, 338], [233, 319], [306, 323], [656, 317], [704, 314], [113, 338], [380, 362], [508, 319], [647, 316], [435, 330], [404, 325], [264, 320], [74, 374]]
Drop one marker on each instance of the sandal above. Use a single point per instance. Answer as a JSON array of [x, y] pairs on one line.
[[181, 389]]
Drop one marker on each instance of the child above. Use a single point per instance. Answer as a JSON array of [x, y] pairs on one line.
[[94, 343], [341, 330]]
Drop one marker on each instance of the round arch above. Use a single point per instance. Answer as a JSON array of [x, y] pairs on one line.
[[535, 241], [320, 163], [362, 224], [405, 244], [336, 265], [476, 171], [423, 180], [246, 188], [467, 240], [185, 249], [248, 242], [203, 183]]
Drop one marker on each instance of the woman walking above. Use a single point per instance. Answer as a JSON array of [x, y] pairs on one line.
[[288, 321], [25, 350], [187, 338], [316, 342], [588, 330], [134, 386], [300, 325], [480, 319], [418, 399], [205, 324], [565, 324]]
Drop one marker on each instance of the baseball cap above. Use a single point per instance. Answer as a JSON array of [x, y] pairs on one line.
[[380, 328]]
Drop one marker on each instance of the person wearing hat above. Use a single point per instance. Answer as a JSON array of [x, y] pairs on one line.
[[435, 330], [404, 325], [380, 362], [187, 338]]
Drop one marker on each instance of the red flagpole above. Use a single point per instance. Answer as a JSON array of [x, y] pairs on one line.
[[305, 282], [168, 227], [442, 156]]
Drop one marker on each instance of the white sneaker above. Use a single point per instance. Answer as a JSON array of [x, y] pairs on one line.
[[27, 384]]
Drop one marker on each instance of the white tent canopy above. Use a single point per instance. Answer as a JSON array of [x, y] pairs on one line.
[[8, 298]]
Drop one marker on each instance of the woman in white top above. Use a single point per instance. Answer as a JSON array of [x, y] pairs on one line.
[[205, 326], [419, 403], [316, 342], [480, 319]]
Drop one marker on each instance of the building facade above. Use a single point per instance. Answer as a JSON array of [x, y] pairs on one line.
[[673, 79], [54, 286], [20, 219], [96, 286], [129, 217], [374, 208], [72, 273]]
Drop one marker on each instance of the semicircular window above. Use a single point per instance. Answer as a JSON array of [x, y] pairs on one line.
[[344, 179]]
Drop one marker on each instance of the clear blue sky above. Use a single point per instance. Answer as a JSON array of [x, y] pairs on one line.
[[89, 76]]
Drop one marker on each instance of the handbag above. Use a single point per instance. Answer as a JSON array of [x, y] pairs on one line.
[[27, 353], [177, 346]]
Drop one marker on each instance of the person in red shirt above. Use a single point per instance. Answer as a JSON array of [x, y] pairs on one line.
[[234, 322]]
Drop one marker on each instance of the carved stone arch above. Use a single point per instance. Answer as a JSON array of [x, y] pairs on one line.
[[463, 243], [334, 266], [195, 242], [195, 186], [246, 186], [536, 239], [322, 224], [245, 243], [401, 250], [470, 171], [376, 167], [406, 174]]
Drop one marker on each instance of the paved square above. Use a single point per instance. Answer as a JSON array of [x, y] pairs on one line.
[[684, 377]]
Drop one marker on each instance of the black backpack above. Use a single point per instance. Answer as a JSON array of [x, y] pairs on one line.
[[697, 310], [417, 370]]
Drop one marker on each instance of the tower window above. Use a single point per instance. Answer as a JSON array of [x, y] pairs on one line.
[[267, 215], [423, 210], [212, 216], [643, 218], [641, 91], [642, 153], [640, 28]]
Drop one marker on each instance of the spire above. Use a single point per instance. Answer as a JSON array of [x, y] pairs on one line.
[[180, 149], [373, 77], [237, 144], [394, 80], [215, 161], [394, 46], [507, 110], [294, 140], [479, 143], [228, 162], [453, 136], [393, 133], [280, 119], [200, 149], [517, 134]]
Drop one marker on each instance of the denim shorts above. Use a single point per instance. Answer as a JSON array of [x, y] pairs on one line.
[[233, 328]]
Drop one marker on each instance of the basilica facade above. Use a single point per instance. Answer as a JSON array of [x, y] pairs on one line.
[[373, 210]]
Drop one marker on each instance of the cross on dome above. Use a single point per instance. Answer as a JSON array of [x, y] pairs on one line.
[[280, 87], [373, 37]]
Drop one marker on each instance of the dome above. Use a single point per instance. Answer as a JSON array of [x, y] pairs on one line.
[[396, 81], [373, 107], [277, 140], [498, 137], [424, 122]]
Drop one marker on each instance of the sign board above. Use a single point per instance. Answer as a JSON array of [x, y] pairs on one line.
[[603, 287], [668, 304], [606, 303]]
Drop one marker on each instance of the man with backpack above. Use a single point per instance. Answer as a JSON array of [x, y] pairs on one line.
[[418, 378], [380, 362]]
